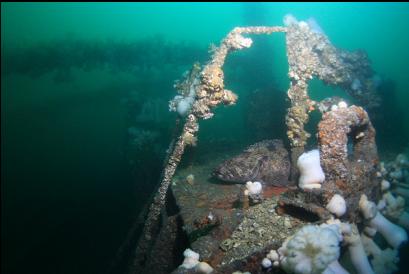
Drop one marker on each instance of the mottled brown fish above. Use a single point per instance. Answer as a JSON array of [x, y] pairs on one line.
[[266, 161]]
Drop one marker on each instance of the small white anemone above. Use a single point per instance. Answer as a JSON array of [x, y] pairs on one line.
[[183, 106], [203, 268], [274, 257], [289, 19], [191, 259], [342, 104], [393, 234], [385, 185], [384, 261], [357, 253], [303, 25], [394, 208], [254, 188], [266, 263], [337, 205]]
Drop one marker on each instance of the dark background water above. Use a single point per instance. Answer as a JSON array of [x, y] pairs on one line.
[[76, 77]]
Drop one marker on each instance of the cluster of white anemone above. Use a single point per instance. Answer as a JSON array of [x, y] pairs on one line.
[[397, 172], [191, 261], [316, 248]]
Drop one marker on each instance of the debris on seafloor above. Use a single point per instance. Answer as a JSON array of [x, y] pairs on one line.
[[223, 232], [269, 224], [266, 161]]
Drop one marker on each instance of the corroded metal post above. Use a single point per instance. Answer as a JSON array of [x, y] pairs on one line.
[[310, 53], [300, 72]]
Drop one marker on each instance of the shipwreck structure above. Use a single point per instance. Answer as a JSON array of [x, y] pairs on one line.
[[234, 232]]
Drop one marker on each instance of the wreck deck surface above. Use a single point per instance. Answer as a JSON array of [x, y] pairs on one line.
[[220, 227]]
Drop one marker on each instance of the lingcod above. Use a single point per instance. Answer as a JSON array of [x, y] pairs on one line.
[[266, 161]]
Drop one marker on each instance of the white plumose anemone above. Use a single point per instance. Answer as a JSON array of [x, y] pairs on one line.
[[393, 234], [311, 172], [311, 250]]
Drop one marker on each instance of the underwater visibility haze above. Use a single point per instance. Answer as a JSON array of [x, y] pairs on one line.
[[204, 138]]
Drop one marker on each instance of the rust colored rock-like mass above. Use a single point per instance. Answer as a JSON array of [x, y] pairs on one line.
[[348, 155]]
